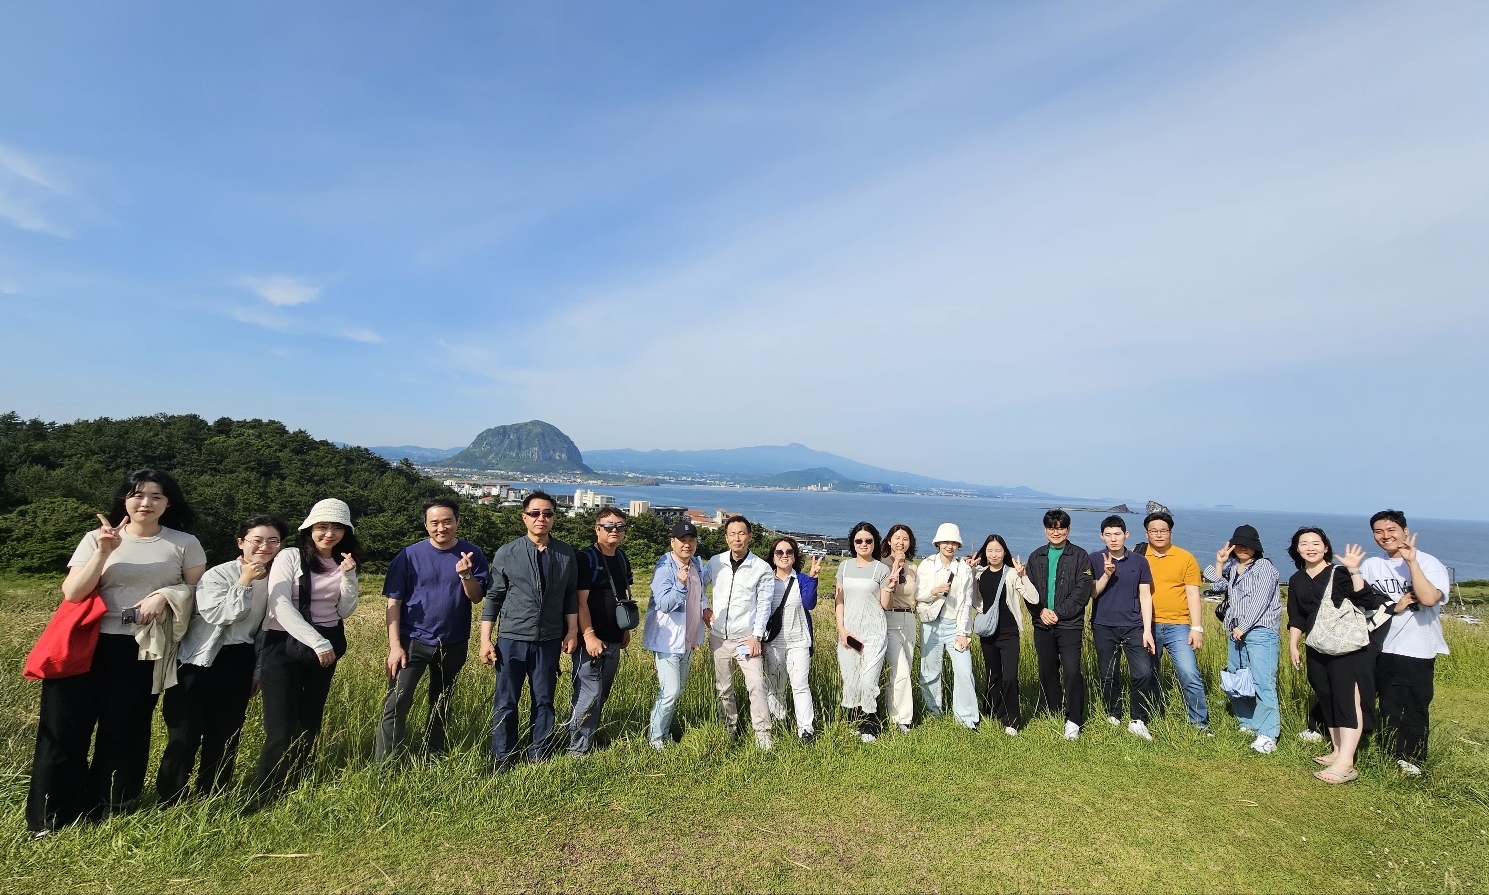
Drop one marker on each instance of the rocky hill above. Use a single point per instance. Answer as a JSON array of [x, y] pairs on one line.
[[530, 447]]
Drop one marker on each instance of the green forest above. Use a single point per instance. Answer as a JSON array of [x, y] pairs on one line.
[[54, 478]]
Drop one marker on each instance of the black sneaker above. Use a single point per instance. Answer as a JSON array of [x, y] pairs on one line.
[[807, 737]]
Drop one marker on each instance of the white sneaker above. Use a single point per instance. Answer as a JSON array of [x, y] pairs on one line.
[[1310, 736], [658, 745], [902, 728], [1264, 744], [868, 738], [762, 740], [1408, 768], [1113, 720], [1072, 730], [1011, 731], [1139, 729]]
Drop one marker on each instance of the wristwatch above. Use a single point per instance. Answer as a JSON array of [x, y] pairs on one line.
[[466, 576]]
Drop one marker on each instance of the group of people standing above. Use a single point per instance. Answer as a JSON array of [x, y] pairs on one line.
[[271, 620]]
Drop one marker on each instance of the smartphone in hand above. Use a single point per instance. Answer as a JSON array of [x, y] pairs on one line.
[[855, 644], [130, 616]]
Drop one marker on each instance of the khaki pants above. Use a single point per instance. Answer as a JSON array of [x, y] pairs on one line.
[[899, 644], [725, 656]]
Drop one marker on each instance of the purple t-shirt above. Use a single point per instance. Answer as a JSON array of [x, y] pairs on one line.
[[1118, 605], [423, 578]]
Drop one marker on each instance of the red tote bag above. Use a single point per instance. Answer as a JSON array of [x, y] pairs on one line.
[[65, 648]]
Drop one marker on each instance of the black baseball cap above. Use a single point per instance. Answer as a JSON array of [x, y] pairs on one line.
[[684, 529]]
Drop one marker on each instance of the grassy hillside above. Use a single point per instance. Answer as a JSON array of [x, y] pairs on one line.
[[938, 809]]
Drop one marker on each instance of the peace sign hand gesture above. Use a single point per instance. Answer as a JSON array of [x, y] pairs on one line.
[[1018, 566], [464, 564], [1222, 555], [1408, 551], [109, 536], [816, 567], [1108, 566]]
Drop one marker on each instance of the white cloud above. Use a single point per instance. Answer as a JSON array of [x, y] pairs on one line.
[[282, 291], [29, 194], [362, 335]]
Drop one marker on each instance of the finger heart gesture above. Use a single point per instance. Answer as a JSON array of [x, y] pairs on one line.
[[348, 564], [464, 564]]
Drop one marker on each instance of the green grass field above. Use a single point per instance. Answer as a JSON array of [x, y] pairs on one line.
[[938, 809]]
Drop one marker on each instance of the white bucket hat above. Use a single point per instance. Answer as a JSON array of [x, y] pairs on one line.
[[948, 532], [329, 510]]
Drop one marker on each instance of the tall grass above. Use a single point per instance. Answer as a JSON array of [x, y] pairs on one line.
[[937, 808]]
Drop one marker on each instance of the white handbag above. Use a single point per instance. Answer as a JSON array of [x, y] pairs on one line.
[[1337, 630]]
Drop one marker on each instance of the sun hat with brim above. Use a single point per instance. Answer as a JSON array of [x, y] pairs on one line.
[[329, 510], [1246, 536], [948, 531]]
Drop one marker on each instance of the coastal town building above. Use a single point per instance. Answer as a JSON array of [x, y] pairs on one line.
[[639, 508], [590, 500]]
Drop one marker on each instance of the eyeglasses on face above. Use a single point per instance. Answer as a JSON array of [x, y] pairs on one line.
[[262, 542], [1057, 528], [786, 552], [537, 514], [1157, 529], [611, 526]]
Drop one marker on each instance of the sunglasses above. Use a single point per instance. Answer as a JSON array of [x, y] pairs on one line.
[[785, 553], [869, 541], [611, 526], [538, 514]]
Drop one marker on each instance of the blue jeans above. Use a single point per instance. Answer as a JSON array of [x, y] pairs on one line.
[[938, 638], [1257, 651], [1175, 639], [535, 663], [672, 676], [593, 676]]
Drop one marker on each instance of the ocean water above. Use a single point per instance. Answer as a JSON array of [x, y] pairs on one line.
[[1461, 545]]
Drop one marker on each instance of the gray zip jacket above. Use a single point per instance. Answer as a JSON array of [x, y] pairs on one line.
[[526, 609]]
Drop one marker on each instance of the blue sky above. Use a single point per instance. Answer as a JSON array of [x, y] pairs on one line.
[[1203, 253]]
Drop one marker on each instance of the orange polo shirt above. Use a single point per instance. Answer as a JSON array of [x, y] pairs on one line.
[[1171, 572]]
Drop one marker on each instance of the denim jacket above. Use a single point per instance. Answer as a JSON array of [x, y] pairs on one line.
[[666, 613]]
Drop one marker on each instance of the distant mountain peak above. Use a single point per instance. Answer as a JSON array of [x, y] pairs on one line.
[[530, 447]]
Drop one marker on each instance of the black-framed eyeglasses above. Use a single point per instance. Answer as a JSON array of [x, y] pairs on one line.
[[611, 526], [538, 514]]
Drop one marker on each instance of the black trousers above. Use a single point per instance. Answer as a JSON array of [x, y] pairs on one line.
[[443, 662], [1405, 688], [204, 712], [1111, 644], [1000, 656], [294, 695], [1059, 653], [114, 698]]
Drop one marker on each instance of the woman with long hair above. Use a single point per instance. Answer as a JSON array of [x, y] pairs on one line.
[[862, 585], [999, 585], [1344, 683], [311, 589], [898, 552], [140, 548], [788, 654], [205, 710]]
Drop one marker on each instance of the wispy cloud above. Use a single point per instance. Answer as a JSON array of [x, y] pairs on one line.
[[362, 335], [282, 291], [27, 192]]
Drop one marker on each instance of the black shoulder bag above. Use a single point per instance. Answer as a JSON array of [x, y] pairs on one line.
[[778, 617], [336, 633], [627, 613]]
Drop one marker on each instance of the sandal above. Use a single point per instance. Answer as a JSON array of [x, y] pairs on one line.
[[1324, 760], [1331, 777]]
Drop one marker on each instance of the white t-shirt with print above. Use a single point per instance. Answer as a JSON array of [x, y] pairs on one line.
[[1417, 632]]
